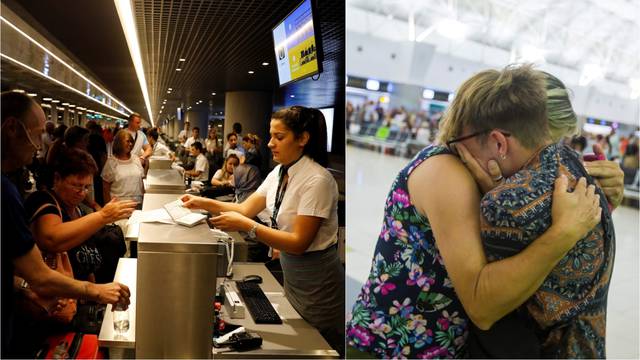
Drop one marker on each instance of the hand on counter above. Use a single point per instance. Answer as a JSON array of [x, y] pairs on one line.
[[111, 293], [193, 202]]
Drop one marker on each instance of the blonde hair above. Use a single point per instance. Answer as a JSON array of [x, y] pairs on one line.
[[513, 100], [563, 121], [119, 141]]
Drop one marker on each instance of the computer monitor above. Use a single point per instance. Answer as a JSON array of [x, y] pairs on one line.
[[297, 45]]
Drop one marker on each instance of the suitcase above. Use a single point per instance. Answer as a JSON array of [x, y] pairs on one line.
[[71, 345]]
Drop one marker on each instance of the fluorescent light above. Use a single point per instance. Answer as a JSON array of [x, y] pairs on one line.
[[170, 89], [182, 59], [63, 62], [428, 94], [265, 63], [71, 106], [292, 96], [452, 29], [18, 91], [129, 27], [373, 85], [46, 99], [65, 104], [178, 69], [214, 94], [32, 94], [590, 72], [55, 101], [250, 72], [423, 35], [412, 27], [81, 108]]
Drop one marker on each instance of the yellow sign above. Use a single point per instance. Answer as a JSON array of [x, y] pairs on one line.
[[303, 58]]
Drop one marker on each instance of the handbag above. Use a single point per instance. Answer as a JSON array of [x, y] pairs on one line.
[[109, 241], [41, 307]]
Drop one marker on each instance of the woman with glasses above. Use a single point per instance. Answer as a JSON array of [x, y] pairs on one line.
[[429, 278], [122, 174], [301, 198], [59, 225]]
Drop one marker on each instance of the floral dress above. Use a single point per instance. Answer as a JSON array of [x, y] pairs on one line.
[[408, 308]]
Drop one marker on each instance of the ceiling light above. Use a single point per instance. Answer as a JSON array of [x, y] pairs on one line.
[[125, 12], [55, 101], [250, 71], [178, 69], [292, 96], [590, 72], [32, 94], [170, 89], [65, 104], [46, 99], [452, 29], [182, 59], [81, 108], [265, 63], [373, 85], [428, 94], [71, 106], [213, 94], [62, 62], [18, 91]]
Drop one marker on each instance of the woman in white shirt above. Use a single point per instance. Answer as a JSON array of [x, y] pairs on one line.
[[122, 174], [301, 196], [224, 176]]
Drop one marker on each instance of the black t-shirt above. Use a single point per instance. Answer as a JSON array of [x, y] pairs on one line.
[[16, 242]]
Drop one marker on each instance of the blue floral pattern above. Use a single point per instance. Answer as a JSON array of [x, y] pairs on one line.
[[407, 308]]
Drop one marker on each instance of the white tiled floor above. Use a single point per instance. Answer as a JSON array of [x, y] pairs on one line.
[[369, 177]]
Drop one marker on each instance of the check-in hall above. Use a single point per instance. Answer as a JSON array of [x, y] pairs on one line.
[[173, 179]]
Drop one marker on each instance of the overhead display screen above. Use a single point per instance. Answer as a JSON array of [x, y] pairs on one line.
[[296, 46]]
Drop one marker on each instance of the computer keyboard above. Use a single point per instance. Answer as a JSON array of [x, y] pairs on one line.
[[256, 301]]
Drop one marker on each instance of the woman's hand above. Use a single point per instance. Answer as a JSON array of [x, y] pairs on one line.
[[116, 210], [111, 293], [609, 175], [232, 221], [575, 213], [486, 181], [193, 202]]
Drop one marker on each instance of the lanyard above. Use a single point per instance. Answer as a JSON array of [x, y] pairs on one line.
[[282, 188]]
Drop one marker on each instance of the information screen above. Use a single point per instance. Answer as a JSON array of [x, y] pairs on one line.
[[296, 47]]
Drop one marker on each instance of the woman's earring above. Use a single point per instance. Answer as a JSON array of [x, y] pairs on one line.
[[503, 157]]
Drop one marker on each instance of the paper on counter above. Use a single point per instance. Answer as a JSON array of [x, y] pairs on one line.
[[150, 216]]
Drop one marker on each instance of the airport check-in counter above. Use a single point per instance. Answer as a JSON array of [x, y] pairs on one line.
[[164, 181], [160, 163], [176, 277]]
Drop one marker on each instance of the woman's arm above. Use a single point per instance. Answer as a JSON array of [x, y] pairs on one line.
[[54, 235], [295, 242], [249, 208], [489, 291]]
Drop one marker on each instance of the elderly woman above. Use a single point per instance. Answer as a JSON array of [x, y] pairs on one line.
[[57, 222], [122, 174]]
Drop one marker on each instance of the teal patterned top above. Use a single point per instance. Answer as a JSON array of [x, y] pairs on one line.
[[570, 306]]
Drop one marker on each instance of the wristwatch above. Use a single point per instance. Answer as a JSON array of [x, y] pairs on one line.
[[252, 232]]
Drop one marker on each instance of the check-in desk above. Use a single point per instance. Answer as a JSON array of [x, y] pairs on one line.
[[164, 181], [160, 163], [157, 201], [295, 338]]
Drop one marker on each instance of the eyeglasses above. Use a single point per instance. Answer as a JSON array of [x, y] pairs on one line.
[[478, 133], [80, 188]]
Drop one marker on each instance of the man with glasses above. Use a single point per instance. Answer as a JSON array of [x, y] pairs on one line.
[[22, 127]]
